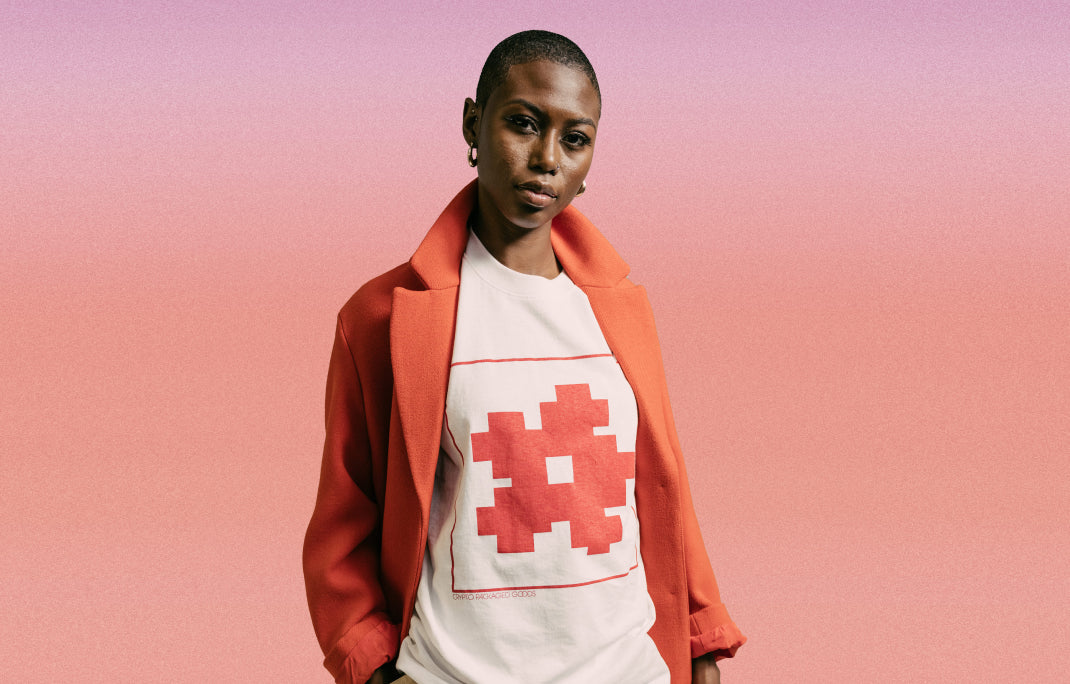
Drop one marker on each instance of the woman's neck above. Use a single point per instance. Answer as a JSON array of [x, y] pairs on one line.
[[522, 250]]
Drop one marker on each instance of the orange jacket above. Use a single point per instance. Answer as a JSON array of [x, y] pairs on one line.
[[386, 391]]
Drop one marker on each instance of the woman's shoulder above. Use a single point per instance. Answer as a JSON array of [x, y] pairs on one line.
[[365, 317]]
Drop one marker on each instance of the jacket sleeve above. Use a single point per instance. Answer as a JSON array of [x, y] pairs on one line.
[[712, 630], [341, 550]]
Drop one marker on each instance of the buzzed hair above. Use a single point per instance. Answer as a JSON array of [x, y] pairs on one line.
[[531, 46]]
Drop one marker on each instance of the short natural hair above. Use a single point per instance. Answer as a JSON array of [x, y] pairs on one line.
[[531, 46]]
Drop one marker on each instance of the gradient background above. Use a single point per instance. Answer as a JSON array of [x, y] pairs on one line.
[[853, 221]]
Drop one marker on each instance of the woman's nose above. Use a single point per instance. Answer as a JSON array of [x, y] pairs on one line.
[[545, 156]]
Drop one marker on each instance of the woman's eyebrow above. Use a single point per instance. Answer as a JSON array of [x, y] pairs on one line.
[[539, 112]]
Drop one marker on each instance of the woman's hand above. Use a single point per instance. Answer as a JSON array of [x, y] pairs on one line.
[[384, 673], [704, 670]]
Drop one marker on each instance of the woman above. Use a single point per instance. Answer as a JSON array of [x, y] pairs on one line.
[[499, 433]]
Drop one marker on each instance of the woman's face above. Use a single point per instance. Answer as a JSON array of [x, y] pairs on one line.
[[535, 141]]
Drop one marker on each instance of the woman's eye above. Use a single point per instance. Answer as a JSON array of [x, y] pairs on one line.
[[524, 123], [577, 140]]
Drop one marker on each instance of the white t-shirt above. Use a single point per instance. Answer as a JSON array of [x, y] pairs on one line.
[[532, 572]]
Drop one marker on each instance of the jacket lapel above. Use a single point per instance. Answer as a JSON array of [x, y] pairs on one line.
[[421, 343], [627, 323]]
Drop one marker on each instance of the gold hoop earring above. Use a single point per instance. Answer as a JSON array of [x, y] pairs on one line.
[[583, 188], [473, 159]]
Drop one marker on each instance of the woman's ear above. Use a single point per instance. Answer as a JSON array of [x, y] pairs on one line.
[[470, 122]]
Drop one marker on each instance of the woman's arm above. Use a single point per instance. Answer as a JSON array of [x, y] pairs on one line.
[[341, 552], [704, 670]]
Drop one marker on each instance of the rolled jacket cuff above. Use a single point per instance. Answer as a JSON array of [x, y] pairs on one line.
[[366, 646], [712, 631]]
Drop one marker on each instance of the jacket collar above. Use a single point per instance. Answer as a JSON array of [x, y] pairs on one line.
[[587, 257]]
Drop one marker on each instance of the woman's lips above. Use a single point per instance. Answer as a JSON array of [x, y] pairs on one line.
[[537, 194]]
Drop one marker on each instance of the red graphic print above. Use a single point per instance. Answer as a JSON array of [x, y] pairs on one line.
[[530, 504]]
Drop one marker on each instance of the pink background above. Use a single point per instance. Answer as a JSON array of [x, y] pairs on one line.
[[852, 219]]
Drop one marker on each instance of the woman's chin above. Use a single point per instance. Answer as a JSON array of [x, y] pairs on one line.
[[530, 218]]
